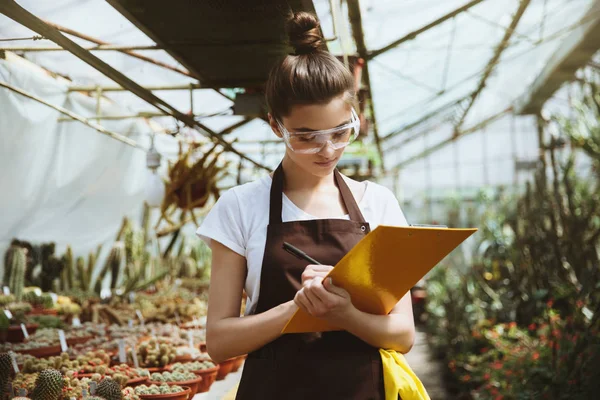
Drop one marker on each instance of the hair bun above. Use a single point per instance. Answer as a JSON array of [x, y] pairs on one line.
[[303, 32]]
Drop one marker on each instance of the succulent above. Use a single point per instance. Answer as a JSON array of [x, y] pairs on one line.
[[48, 385], [129, 394], [151, 354], [24, 381], [109, 389], [177, 376], [6, 371], [193, 366], [154, 389], [17, 271], [94, 398], [19, 311], [4, 299]]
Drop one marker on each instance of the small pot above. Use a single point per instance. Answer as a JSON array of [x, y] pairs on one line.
[[43, 311], [225, 368], [192, 384], [239, 361], [133, 382], [183, 358], [42, 352], [185, 395], [79, 340], [209, 376], [14, 333]]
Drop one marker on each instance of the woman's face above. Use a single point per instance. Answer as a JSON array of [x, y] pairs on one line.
[[315, 117]]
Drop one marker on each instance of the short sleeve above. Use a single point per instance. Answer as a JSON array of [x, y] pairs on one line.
[[392, 213], [224, 224]]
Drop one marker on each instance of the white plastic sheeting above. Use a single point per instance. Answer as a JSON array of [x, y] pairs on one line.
[[63, 181]]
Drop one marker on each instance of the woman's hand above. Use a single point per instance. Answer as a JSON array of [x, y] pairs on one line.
[[322, 299], [313, 271]]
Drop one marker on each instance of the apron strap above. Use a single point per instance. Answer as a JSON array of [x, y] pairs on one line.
[[276, 207]]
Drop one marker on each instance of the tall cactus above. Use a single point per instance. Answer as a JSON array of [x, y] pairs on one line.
[[5, 373], [17, 272], [115, 259], [82, 274], [48, 385], [69, 269]]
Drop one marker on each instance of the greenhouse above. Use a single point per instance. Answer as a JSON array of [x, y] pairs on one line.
[[161, 161]]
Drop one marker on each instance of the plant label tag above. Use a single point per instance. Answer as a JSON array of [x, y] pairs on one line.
[[84, 393], [93, 386], [105, 293], [76, 322], [122, 354], [131, 297], [136, 363], [177, 282], [177, 319], [24, 329], [130, 323], [8, 314], [63, 340], [191, 340], [13, 359], [140, 316], [37, 291], [54, 297], [6, 291]]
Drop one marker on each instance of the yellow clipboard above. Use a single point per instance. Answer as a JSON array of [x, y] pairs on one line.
[[383, 267]]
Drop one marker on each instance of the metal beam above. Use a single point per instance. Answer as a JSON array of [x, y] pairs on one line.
[[575, 51], [108, 47], [451, 139], [494, 60], [75, 117], [146, 114], [17, 13], [116, 88], [355, 17], [424, 118], [414, 34]]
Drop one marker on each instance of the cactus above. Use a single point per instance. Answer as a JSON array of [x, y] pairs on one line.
[[82, 274], [48, 385], [17, 272], [109, 389], [5, 373], [114, 259], [69, 268]]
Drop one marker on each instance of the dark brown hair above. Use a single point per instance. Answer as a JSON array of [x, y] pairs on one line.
[[311, 75]]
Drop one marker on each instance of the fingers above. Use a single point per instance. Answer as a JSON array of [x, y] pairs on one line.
[[314, 271], [331, 288]]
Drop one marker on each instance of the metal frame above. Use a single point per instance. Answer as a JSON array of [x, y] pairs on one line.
[[13, 11]]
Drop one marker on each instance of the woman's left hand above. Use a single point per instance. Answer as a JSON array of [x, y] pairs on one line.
[[322, 299]]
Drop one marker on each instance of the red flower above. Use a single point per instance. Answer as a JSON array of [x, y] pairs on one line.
[[466, 378], [484, 350], [486, 377], [497, 365], [550, 303], [499, 397], [512, 325], [535, 356], [556, 333], [579, 304], [532, 327]]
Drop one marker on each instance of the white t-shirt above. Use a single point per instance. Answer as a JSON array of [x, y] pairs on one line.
[[240, 217]]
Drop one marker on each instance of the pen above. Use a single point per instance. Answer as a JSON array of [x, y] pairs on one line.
[[299, 253]]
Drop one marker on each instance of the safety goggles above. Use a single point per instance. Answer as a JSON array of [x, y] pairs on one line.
[[314, 141]]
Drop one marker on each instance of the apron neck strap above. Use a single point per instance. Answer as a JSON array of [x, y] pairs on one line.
[[276, 207]]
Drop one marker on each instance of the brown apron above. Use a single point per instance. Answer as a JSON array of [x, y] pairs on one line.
[[328, 365]]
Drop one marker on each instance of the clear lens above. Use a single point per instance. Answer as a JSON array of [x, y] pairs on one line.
[[313, 142]]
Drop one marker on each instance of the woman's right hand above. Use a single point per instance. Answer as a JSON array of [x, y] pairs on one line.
[[313, 271]]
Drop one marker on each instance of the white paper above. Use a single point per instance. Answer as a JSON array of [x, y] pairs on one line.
[[141, 317], [122, 354], [191, 339], [24, 329], [63, 340], [136, 363], [13, 358]]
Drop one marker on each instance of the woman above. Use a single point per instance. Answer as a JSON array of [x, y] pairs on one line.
[[307, 203]]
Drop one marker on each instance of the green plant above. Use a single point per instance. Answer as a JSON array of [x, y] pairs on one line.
[[17, 271], [6, 371], [48, 386], [109, 389]]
